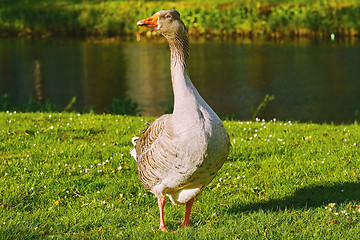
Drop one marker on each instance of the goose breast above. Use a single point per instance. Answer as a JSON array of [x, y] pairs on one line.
[[180, 160]]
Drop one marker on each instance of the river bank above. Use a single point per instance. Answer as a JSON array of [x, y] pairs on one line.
[[299, 18]]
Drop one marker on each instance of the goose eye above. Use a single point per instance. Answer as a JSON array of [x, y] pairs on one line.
[[167, 16]]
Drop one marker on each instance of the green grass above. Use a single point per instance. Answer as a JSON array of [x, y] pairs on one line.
[[70, 176], [271, 18]]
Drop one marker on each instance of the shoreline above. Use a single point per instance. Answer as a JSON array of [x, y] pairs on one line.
[[319, 20]]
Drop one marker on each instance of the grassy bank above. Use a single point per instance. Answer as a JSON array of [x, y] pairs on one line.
[[70, 175], [241, 18]]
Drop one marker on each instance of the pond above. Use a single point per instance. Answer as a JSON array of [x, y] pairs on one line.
[[318, 82]]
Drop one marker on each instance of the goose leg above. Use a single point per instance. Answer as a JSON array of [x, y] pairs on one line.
[[186, 221], [161, 203]]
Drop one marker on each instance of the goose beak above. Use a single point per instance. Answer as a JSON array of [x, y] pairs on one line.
[[150, 22]]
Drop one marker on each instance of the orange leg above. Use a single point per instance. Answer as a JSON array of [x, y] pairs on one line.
[[186, 221], [161, 203]]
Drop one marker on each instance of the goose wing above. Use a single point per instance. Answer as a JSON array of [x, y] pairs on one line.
[[156, 152]]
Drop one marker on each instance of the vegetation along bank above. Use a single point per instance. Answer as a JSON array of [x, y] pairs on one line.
[[298, 18]]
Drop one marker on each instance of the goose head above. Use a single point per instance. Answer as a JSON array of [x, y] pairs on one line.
[[166, 22]]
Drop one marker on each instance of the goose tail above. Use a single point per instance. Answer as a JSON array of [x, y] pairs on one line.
[[133, 150]]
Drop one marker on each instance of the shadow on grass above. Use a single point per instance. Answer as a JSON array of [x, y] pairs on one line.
[[308, 197]]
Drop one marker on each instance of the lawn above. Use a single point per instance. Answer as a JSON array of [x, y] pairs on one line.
[[71, 176]]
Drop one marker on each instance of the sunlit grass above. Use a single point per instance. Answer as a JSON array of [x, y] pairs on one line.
[[70, 175]]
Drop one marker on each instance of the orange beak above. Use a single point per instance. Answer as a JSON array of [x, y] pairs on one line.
[[150, 22]]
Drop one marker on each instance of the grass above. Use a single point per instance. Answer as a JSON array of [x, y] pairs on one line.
[[250, 18], [70, 176]]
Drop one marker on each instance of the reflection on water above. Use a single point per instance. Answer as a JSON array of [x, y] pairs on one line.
[[311, 82]]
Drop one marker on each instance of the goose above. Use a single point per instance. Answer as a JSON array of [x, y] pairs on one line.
[[180, 153]]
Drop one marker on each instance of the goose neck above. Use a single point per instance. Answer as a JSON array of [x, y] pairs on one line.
[[179, 48]]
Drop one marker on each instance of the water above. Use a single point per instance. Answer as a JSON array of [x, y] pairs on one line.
[[318, 82]]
